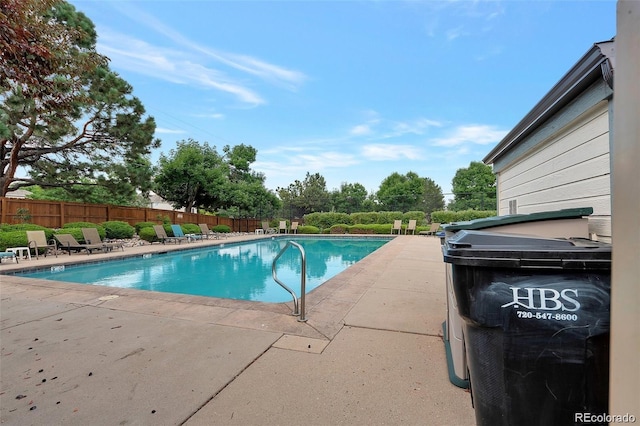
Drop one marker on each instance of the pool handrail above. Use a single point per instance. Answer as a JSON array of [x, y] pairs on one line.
[[298, 308]]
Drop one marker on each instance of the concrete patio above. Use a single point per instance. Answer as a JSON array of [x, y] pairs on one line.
[[370, 353]]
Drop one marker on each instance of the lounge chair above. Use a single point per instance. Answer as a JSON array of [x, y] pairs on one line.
[[179, 233], [294, 227], [397, 226], [69, 243], [411, 227], [207, 233], [38, 240], [432, 230], [163, 237], [8, 255], [266, 228], [91, 236], [283, 227]]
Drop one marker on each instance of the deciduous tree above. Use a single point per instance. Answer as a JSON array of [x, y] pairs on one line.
[[474, 188], [197, 176], [349, 198], [308, 196], [192, 175], [401, 192]]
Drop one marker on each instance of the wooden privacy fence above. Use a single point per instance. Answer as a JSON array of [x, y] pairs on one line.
[[54, 214]]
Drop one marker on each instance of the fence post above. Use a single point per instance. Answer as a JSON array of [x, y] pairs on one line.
[[61, 215], [3, 211]]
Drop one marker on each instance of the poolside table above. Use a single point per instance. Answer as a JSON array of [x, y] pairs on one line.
[[20, 251]]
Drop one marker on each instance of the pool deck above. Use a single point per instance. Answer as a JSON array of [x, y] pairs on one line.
[[371, 352]]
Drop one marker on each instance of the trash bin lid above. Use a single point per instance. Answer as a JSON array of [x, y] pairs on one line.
[[492, 221], [482, 248]]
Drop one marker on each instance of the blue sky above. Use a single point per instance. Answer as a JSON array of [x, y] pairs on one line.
[[353, 90]]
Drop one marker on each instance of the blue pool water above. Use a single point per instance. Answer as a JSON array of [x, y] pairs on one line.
[[234, 271]]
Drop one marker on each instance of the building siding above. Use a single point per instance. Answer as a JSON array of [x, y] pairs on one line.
[[569, 169]]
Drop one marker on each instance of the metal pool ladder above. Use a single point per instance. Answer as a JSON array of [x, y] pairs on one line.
[[298, 308]]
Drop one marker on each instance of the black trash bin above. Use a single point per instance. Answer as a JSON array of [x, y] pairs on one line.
[[536, 325]]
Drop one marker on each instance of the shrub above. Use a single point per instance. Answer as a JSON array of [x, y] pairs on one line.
[[339, 229], [168, 229], [474, 214], [443, 217], [308, 229], [138, 226], [389, 217], [460, 216], [76, 232], [364, 218], [166, 220], [5, 227], [12, 239], [190, 228], [416, 215], [148, 234], [221, 228], [22, 228], [118, 230], [374, 228], [362, 229], [82, 225], [327, 220]]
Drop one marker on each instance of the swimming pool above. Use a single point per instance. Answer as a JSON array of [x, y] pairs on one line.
[[234, 271]]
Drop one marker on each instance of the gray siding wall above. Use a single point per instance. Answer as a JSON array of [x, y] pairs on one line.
[[568, 168]]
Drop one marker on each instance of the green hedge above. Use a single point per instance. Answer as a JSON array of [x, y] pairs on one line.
[[16, 235], [76, 232], [190, 228], [5, 227], [365, 218], [340, 228], [327, 220], [308, 229], [12, 239], [461, 216], [222, 229], [370, 229], [118, 230], [417, 215], [79, 225], [138, 226], [377, 229], [148, 234], [389, 217]]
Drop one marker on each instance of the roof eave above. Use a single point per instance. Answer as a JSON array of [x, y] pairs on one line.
[[586, 71]]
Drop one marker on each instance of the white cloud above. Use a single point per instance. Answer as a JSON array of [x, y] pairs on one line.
[[416, 127], [275, 74], [169, 131], [215, 116], [326, 160], [360, 130], [299, 164], [480, 134], [454, 33], [387, 152], [170, 65], [392, 129]]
